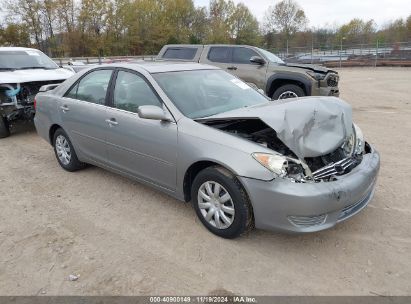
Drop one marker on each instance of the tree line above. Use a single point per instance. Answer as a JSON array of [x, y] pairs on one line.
[[71, 28]]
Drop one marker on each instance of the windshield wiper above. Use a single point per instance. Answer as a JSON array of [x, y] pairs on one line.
[[7, 69], [35, 67]]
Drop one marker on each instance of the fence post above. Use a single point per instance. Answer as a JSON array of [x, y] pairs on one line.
[[376, 55], [287, 48]]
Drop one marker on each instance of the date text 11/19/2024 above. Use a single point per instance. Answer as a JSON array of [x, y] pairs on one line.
[[203, 299]]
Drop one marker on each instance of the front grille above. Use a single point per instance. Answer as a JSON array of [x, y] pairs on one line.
[[332, 81], [307, 221], [354, 208], [336, 168]]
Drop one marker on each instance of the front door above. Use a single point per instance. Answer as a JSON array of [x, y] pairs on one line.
[[245, 69], [143, 148]]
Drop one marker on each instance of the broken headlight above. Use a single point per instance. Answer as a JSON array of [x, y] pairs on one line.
[[282, 166], [359, 143], [316, 76]]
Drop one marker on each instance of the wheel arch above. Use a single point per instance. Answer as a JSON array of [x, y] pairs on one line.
[[194, 169], [278, 79], [53, 130]]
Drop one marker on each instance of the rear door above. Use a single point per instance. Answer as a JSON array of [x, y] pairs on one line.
[[143, 148], [220, 56], [83, 113]]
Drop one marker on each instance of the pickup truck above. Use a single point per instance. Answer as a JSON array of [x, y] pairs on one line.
[[260, 69]]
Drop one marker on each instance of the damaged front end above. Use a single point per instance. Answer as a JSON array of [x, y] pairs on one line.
[[311, 142], [17, 99], [285, 164]]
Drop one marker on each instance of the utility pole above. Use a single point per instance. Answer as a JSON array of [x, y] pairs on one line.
[[341, 40], [312, 46], [287, 48]]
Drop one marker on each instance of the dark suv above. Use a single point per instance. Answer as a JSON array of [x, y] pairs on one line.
[[260, 68]]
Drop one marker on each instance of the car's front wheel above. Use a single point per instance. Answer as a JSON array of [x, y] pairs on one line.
[[221, 203], [4, 127], [64, 150], [288, 91]]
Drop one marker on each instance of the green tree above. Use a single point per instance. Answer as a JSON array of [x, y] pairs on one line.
[[91, 23], [244, 26], [26, 12], [356, 31], [14, 34], [220, 14]]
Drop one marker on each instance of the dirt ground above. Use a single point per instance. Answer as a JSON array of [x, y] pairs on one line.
[[123, 238]]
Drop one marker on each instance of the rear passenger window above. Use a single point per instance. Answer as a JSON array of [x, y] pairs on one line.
[[220, 54], [131, 91], [180, 53], [92, 87], [243, 55]]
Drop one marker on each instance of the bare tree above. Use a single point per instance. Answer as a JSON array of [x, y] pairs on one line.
[[27, 12], [286, 17]]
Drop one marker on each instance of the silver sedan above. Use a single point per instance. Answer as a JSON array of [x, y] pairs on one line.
[[199, 134]]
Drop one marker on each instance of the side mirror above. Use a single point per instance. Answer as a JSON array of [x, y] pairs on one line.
[[153, 112], [48, 87], [257, 60]]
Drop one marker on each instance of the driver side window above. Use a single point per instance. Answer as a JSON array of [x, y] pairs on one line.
[[243, 55], [92, 87], [132, 91]]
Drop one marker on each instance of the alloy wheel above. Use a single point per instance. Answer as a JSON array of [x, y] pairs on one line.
[[63, 150], [287, 94]]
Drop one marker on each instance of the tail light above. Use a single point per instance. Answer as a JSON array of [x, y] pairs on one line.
[[35, 103]]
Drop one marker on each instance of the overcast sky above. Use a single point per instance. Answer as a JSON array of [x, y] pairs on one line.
[[321, 12]]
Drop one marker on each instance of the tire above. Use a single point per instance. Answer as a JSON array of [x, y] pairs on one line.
[[4, 127], [62, 146], [291, 88], [236, 210]]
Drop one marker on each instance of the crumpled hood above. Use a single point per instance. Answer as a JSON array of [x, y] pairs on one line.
[[310, 126], [22, 76], [312, 67]]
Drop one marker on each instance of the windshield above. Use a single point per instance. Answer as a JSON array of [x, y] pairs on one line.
[[25, 59], [271, 57], [204, 93]]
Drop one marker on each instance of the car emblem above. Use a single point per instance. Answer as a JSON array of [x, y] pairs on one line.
[[339, 169]]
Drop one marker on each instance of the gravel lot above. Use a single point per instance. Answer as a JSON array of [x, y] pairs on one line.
[[123, 238]]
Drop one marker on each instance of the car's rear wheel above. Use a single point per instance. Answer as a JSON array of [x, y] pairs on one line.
[[64, 150], [221, 203], [288, 91], [4, 127]]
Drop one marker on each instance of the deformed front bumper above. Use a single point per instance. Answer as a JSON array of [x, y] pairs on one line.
[[282, 205]]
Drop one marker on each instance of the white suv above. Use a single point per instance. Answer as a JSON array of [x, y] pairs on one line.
[[22, 72]]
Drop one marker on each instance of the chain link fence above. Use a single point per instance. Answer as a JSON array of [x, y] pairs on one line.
[[344, 55]]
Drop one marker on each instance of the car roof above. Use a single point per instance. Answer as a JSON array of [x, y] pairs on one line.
[[10, 48], [210, 45], [153, 67]]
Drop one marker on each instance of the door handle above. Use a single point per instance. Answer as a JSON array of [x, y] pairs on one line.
[[112, 122], [233, 68], [65, 108]]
